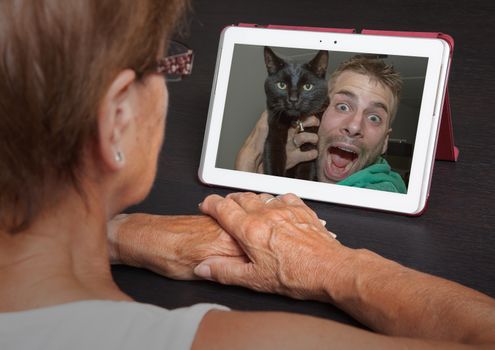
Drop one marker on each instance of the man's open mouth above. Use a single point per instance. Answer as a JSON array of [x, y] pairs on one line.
[[340, 160]]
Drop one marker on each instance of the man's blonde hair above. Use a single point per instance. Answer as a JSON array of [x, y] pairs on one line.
[[377, 70]]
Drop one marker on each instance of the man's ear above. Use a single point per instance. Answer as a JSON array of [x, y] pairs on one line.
[[115, 112], [385, 144]]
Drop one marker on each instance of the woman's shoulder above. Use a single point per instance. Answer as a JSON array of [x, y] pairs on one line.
[[102, 324]]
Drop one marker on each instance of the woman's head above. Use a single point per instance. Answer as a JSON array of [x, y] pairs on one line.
[[58, 60]]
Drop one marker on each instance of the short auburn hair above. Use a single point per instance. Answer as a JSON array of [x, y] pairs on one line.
[[57, 59], [377, 70]]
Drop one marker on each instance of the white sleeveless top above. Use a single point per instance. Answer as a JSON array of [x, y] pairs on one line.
[[98, 324]]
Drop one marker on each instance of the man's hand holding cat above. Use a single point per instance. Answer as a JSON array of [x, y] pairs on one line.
[[250, 157], [289, 250], [296, 139], [168, 245]]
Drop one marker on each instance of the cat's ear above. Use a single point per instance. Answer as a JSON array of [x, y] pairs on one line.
[[272, 61], [319, 64]]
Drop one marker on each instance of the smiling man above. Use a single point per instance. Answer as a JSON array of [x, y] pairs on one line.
[[354, 130], [353, 133]]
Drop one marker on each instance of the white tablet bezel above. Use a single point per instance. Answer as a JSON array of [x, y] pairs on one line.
[[436, 50]]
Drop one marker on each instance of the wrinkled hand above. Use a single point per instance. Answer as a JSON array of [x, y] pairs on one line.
[[168, 245], [294, 141], [289, 250]]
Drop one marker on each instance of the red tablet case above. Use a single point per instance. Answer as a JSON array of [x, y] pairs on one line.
[[446, 150]]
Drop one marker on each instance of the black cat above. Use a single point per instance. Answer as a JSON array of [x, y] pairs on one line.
[[294, 92]]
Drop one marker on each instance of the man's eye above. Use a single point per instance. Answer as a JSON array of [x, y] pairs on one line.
[[374, 118], [281, 85], [307, 87], [342, 107]]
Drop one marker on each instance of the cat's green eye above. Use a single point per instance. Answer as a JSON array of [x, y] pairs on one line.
[[307, 87], [281, 85]]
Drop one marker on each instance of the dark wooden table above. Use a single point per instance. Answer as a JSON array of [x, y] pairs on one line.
[[454, 238]]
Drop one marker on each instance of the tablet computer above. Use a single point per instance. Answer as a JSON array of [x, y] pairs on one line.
[[377, 102]]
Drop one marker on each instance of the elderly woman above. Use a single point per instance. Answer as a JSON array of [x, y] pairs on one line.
[[82, 114]]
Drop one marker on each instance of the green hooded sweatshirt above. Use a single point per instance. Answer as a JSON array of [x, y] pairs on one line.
[[378, 176]]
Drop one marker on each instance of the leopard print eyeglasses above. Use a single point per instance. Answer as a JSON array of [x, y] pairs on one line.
[[177, 64]]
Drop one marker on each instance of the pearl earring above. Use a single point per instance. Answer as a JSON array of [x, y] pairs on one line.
[[119, 157]]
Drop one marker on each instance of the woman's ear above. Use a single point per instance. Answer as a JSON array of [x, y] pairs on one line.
[[115, 113]]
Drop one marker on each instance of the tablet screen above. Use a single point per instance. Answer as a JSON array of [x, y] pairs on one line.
[[377, 101], [355, 129]]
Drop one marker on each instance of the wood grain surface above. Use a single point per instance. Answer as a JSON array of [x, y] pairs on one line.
[[454, 238]]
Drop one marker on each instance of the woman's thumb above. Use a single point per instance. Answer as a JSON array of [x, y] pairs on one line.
[[226, 270]]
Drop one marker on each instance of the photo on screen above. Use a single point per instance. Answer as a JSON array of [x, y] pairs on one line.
[[371, 165]]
